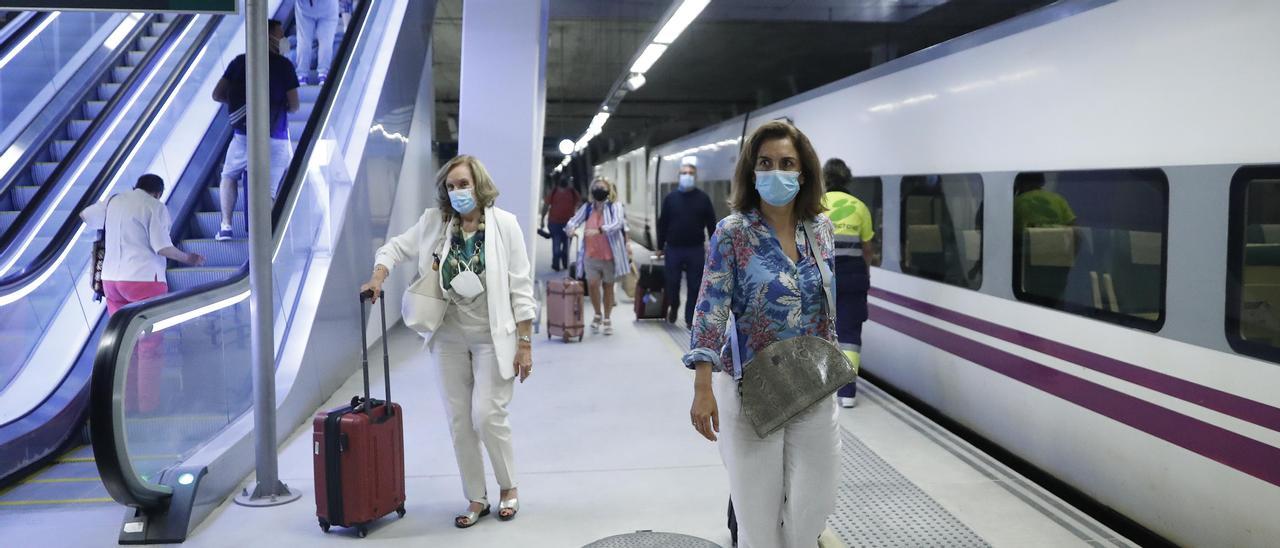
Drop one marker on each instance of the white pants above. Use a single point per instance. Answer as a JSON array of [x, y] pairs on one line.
[[783, 486], [320, 27], [475, 397]]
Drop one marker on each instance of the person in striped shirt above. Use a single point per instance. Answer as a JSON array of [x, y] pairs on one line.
[[602, 257]]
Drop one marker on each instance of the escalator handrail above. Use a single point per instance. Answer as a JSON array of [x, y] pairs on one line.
[[127, 88], [17, 28], [114, 467]]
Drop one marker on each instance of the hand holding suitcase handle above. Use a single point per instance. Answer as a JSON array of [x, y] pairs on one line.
[[369, 295]]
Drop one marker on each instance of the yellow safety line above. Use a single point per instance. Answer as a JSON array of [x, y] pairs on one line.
[[55, 501], [69, 460], [60, 480]]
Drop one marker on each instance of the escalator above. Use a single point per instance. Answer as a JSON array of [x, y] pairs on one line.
[[26, 186], [188, 352], [193, 204], [45, 378]]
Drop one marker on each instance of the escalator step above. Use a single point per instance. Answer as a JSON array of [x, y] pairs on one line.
[[230, 253], [22, 195], [107, 90], [147, 42], [119, 74], [134, 57], [208, 222], [158, 28], [186, 278], [42, 170], [93, 108], [308, 94], [6, 219], [61, 148], [76, 128]]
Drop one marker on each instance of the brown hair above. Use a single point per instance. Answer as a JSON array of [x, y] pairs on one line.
[[745, 197], [613, 190], [486, 192]]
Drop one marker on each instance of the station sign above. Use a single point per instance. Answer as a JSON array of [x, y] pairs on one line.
[[184, 6]]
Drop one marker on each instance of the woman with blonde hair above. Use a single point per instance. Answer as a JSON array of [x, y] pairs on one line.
[[768, 270], [477, 319], [603, 256]]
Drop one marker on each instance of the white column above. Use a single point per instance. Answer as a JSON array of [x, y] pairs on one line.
[[503, 97]]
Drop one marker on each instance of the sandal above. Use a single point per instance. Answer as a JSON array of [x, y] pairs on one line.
[[608, 327], [470, 518], [511, 504], [595, 325]]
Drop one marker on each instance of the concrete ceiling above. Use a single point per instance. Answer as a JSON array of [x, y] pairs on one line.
[[739, 55]]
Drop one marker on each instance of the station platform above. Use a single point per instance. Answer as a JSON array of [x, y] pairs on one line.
[[604, 448]]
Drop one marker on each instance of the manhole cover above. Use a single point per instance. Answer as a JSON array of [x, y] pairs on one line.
[[650, 539]]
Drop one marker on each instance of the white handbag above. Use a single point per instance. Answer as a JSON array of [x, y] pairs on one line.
[[424, 304]]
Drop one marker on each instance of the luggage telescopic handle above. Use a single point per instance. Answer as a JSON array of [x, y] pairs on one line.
[[364, 349]]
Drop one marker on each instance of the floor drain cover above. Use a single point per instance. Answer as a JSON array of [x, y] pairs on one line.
[[650, 539]]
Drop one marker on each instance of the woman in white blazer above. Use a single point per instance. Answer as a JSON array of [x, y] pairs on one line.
[[477, 283]]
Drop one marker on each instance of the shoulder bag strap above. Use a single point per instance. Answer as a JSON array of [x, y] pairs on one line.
[[828, 302]]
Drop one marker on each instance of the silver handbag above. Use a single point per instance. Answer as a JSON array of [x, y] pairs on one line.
[[788, 377]]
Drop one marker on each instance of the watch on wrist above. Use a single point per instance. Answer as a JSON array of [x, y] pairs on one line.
[[526, 339]]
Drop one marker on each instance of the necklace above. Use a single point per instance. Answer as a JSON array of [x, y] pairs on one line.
[[457, 261]]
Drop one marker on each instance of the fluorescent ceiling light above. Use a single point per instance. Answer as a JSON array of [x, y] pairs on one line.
[[648, 57], [685, 14], [635, 81], [597, 123]]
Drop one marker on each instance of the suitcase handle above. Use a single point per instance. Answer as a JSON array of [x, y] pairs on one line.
[[364, 351]]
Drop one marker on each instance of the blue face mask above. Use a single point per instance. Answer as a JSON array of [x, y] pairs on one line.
[[462, 200], [778, 188], [686, 182]]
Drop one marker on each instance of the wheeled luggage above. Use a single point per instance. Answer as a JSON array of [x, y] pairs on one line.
[[564, 309], [651, 302], [359, 451]]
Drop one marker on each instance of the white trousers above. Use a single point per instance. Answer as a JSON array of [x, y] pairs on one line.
[[321, 29], [783, 486], [475, 397]]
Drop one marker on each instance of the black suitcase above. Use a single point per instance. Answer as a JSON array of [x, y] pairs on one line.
[[650, 300]]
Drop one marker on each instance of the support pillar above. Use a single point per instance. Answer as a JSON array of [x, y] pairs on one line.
[[502, 100], [269, 491]]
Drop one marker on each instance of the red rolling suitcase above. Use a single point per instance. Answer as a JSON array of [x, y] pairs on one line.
[[564, 309], [359, 451]]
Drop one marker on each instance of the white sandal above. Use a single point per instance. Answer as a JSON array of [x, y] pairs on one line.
[[595, 325], [608, 327]]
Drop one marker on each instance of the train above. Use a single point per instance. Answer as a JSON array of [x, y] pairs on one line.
[[1079, 217]]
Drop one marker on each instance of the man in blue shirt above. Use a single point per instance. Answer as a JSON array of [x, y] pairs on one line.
[[685, 223], [283, 96]]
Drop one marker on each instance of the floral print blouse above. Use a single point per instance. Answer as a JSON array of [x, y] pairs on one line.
[[770, 297]]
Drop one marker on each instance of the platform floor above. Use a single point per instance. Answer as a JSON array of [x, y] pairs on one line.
[[603, 448]]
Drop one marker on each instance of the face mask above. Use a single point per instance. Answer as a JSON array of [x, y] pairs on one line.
[[282, 46], [778, 188], [462, 200], [599, 194], [686, 182], [467, 285]]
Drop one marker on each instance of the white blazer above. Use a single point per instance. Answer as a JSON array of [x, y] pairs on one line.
[[507, 272]]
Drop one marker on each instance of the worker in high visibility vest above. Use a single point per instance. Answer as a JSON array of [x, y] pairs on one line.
[[854, 253]]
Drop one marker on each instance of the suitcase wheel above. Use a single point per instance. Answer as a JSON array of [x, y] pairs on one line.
[[400, 511], [324, 525], [362, 531]]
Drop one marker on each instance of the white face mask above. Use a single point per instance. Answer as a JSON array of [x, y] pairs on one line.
[[467, 285], [282, 46]]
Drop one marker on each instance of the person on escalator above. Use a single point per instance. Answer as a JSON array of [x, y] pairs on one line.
[[317, 20], [136, 225], [283, 98]]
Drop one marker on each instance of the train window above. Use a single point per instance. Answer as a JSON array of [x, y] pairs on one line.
[[942, 228], [1253, 267], [1093, 243]]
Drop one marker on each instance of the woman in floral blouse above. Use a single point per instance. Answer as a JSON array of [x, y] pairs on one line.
[[761, 274]]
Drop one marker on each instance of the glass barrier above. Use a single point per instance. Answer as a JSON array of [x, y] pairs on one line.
[[189, 373], [43, 60]]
